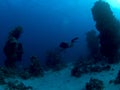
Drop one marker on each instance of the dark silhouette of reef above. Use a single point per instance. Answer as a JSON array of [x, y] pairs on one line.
[[95, 84], [102, 46], [54, 57], [35, 68], [117, 79], [93, 43], [88, 66], [54, 61], [109, 29], [17, 85], [13, 49]]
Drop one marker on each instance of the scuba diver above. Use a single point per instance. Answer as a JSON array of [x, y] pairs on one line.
[[65, 45]]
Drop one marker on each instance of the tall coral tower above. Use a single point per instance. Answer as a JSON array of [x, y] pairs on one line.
[[13, 48], [109, 29]]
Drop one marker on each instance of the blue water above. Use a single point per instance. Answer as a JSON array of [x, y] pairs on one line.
[[46, 23]]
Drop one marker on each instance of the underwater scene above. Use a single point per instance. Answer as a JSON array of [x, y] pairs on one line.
[[59, 44]]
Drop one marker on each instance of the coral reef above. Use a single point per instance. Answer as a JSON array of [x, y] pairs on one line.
[[13, 48], [117, 80], [94, 84], [54, 57], [93, 43], [8, 72], [2, 79], [7, 79], [53, 61], [109, 29], [35, 69], [17, 85], [76, 72], [24, 74], [84, 67]]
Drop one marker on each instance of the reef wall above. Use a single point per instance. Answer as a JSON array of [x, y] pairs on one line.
[[109, 29]]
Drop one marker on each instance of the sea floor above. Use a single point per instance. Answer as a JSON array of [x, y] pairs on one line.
[[62, 80]]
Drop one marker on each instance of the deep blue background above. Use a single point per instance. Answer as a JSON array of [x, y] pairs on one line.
[[46, 23]]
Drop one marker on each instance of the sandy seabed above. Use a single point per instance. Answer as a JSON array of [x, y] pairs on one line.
[[62, 80]]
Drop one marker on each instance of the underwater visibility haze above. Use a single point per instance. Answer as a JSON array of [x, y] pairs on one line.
[[46, 23], [59, 44]]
